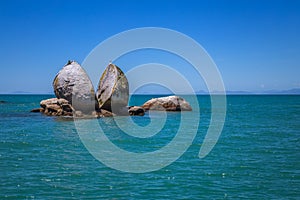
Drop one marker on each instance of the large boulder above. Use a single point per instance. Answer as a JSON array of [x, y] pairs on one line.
[[73, 84], [113, 90], [169, 103]]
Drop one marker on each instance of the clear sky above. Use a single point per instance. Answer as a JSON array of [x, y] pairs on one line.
[[255, 44]]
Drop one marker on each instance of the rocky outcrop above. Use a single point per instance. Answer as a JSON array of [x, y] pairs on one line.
[[76, 97], [73, 84], [113, 90], [55, 107], [61, 107], [169, 103], [136, 110]]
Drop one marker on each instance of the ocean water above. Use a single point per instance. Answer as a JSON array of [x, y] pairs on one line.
[[257, 155]]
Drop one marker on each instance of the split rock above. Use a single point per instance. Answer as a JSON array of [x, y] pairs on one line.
[[113, 90], [73, 84]]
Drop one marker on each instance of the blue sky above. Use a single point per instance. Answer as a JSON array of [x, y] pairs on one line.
[[255, 44]]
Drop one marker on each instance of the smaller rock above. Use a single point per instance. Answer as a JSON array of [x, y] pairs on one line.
[[96, 114], [53, 101], [136, 110], [105, 113], [56, 107], [61, 107], [169, 103], [78, 113]]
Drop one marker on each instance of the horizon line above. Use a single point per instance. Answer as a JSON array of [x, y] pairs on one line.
[[199, 92]]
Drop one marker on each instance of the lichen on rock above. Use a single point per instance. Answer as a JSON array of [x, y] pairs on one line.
[[113, 90], [56, 107], [169, 103], [73, 84]]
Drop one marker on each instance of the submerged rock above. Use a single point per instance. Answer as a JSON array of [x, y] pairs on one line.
[[113, 90], [169, 103], [73, 84], [37, 110], [136, 110]]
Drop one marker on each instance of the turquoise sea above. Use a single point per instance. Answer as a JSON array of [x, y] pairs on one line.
[[257, 155]]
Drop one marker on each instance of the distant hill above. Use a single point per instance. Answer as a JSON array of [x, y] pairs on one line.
[[21, 92], [26, 93], [291, 91], [238, 92], [294, 91], [227, 92]]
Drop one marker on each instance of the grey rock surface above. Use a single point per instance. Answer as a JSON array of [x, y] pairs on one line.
[[113, 90], [56, 107], [169, 103], [73, 84]]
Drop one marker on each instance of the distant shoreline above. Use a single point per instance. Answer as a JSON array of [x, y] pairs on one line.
[[202, 94], [293, 91]]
